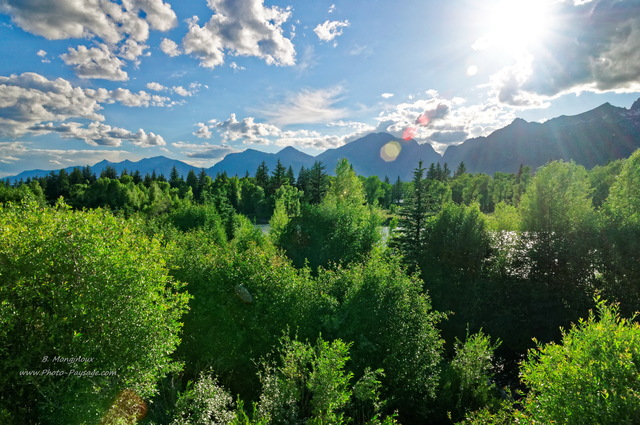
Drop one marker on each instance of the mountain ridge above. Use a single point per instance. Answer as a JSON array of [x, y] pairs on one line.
[[590, 138]]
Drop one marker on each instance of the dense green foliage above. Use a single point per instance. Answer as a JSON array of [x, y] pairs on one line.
[[592, 376], [81, 285], [323, 318]]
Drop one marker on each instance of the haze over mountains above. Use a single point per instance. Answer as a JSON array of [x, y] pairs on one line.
[[595, 137]]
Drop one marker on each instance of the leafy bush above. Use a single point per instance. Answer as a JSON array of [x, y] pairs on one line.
[[384, 312], [204, 402], [592, 377], [467, 380], [244, 297], [309, 384], [85, 286]]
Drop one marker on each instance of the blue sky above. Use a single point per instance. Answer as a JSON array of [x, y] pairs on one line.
[[82, 81]]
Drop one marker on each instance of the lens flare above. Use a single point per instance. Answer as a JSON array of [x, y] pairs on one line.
[[128, 407], [390, 151], [408, 133]]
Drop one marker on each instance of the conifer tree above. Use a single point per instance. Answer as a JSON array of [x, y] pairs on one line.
[[262, 175]]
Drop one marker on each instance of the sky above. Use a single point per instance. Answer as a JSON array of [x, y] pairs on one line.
[[87, 80]]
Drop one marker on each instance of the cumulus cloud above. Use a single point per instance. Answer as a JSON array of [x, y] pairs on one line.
[[387, 95], [307, 107], [170, 47], [100, 134], [30, 99], [596, 48], [95, 62], [179, 90], [442, 122], [107, 20], [203, 131], [155, 86], [140, 99], [247, 130], [329, 30], [242, 28], [122, 28]]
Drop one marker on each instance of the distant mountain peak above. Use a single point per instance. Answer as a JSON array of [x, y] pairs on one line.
[[636, 105]]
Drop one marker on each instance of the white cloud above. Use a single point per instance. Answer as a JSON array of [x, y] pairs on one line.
[[203, 131], [597, 48], [329, 30], [332, 8], [140, 99], [307, 107], [43, 56], [155, 86], [29, 98], [121, 28], [170, 47], [387, 95], [106, 20], [236, 67], [243, 28], [11, 152], [131, 50], [441, 121], [99, 134], [247, 130], [96, 62], [181, 91]]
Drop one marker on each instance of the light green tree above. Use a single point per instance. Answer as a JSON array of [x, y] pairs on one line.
[[84, 286], [591, 377]]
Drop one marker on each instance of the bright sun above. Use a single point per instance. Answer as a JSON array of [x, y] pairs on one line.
[[515, 25]]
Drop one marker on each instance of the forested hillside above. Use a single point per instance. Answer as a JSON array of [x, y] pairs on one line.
[[157, 300]]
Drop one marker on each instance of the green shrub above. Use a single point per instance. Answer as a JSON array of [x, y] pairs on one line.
[[85, 286], [204, 402], [593, 377], [467, 380]]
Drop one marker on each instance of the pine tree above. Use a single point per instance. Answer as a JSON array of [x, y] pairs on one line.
[[262, 175], [417, 207], [446, 172], [397, 191], [278, 178], [175, 179], [303, 179], [109, 173], [290, 176], [462, 169], [318, 183]]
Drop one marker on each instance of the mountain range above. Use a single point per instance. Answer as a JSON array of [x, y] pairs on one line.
[[592, 138]]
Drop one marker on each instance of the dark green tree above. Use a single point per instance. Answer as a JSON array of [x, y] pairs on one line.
[[262, 176], [318, 183], [278, 178], [425, 199], [109, 172], [175, 179]]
